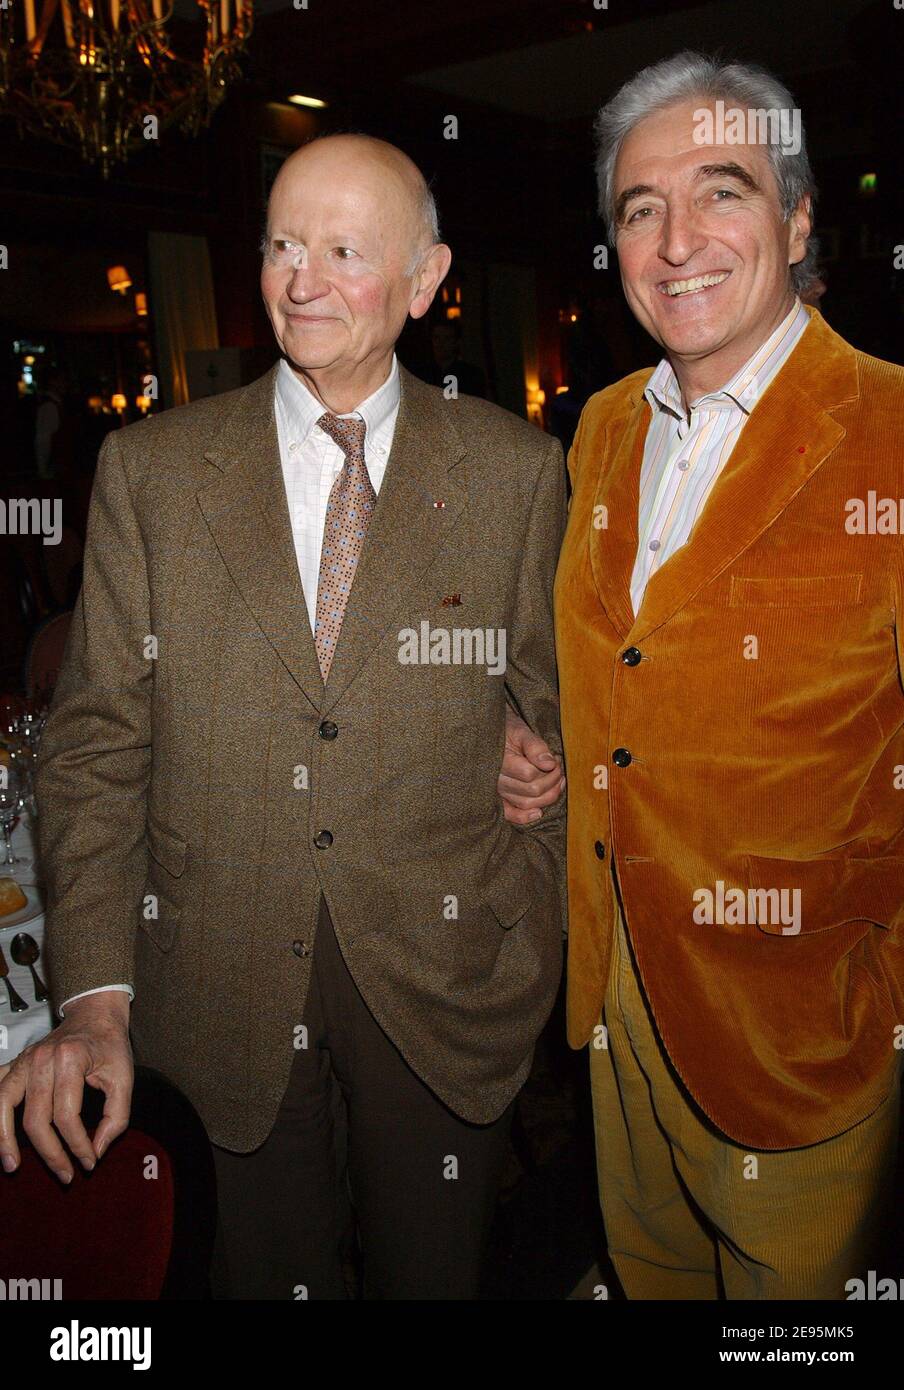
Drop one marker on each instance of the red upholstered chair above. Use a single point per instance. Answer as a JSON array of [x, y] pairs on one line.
[[118, 1233]]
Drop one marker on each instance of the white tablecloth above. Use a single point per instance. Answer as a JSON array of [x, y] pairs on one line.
[[18, 1030]]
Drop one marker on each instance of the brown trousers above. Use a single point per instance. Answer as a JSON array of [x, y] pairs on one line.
[[357, 1132]]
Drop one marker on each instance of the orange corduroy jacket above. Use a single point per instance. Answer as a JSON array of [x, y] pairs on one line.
[[764, 721]]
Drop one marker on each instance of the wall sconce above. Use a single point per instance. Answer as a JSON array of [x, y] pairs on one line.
[[143, 403], [118, 278], [118, 402], [141, 304], [451, 298], [536, 399]]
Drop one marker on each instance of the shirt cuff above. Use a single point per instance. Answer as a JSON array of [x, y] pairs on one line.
[[100, 988]]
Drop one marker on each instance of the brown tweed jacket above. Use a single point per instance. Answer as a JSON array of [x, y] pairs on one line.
[[189, 767]]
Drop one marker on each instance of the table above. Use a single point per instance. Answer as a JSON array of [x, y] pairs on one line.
[[17, 1031]]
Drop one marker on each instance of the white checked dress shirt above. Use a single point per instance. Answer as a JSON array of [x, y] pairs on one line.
[[683, 456], [311, 463]]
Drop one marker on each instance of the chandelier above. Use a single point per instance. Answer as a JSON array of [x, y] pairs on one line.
[[103, 76]]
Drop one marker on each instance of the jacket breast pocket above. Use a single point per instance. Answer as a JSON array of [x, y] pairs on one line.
[[806, 591], [160, 911], [793, 897]]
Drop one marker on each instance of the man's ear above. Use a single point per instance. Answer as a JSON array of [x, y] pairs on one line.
[[427, 279], [801, 225]]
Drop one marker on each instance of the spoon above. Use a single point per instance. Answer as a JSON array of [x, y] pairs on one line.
[[25, 951], [16, 1002]]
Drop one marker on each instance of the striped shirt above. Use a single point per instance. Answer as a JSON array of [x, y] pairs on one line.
[[683, 457]]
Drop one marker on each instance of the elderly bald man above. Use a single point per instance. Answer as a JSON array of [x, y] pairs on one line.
[[276, 860]]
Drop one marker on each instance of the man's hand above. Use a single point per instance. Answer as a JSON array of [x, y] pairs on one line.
[[531, 777], [91, 1044]]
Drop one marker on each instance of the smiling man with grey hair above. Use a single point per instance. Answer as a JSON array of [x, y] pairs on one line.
[[729, 634]]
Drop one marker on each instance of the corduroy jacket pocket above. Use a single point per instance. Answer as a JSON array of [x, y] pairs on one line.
[[792, 897], [785, 591]]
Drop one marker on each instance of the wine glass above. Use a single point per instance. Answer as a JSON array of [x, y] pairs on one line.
[[11, 799]]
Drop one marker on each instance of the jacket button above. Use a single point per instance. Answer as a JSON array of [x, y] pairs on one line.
[[328, 729], [323, 839], [600, 849], [300, 948], [632, 657], [621, 757]]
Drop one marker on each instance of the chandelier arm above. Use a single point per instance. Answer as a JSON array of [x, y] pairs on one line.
[[48, 11], [118, 66]]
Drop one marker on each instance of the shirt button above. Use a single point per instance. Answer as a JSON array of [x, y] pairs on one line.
[[300, 948], [323, 839], [328, 729], [293, 448], [684, 464], [621, 757], [654, 545]]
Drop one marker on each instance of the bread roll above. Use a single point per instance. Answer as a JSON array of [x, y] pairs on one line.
[[11, 896]]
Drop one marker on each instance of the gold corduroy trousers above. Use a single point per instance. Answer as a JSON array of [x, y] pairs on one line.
[[691, 1215]]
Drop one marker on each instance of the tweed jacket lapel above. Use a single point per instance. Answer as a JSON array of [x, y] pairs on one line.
[[247, 513], [417, 507], [246, 510]]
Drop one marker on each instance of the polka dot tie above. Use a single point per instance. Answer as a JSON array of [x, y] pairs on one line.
[[348, 513]]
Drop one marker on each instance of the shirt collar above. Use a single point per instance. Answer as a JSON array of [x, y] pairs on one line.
[[302, 410], [748, 384]]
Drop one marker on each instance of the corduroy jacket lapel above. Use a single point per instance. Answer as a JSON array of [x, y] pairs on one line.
[[613, 521], [790, 434]]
